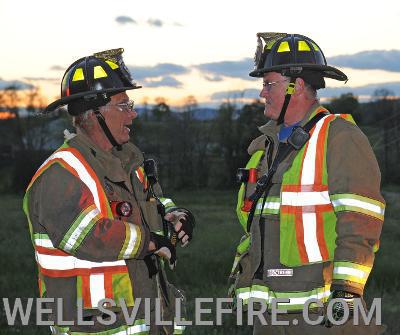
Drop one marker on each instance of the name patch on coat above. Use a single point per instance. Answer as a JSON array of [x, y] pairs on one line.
[[279, 272]]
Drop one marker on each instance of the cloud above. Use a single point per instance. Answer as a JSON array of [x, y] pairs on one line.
[[57, 68], [42, 79], [155, 23], [213, 77], [373, 59], [167, 81], [250, 93], [124, 20], [234, 69], [159, 70], [366, 90], [16, 84]]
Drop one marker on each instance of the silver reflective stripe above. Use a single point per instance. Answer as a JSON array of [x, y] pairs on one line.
[[135, 329], [133, 239], [55, 262], [69, 245], [358, 203], [308, 170], [244, 295], [305, 198], [80, 169], [351, 272]]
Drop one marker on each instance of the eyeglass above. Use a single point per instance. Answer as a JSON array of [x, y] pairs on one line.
[[125, 106], [268, 85]]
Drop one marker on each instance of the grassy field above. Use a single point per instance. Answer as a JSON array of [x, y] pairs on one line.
[[203, 268]]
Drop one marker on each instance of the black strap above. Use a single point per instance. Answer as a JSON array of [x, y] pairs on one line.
[[298, 138], [107, 132], [289, 92]]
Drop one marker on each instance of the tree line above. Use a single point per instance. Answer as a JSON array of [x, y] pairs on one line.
[[191, 152]]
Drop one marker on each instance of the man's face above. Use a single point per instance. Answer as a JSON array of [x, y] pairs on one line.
[[119, 117], [274, 90]]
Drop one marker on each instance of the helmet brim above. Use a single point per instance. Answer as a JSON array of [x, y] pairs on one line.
[[64, 101], [296, 70]]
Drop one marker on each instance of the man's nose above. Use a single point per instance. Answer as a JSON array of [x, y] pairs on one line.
[[263, 92], [133, 114]]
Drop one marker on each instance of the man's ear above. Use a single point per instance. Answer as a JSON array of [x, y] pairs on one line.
[[300, 86]]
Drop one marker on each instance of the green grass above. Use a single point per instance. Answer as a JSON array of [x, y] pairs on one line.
[[203, 267]]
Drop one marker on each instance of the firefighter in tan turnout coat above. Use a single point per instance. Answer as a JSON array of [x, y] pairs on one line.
[[95, 211], [313, 222]]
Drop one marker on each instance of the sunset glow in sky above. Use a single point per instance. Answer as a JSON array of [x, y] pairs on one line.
[[178, 48]]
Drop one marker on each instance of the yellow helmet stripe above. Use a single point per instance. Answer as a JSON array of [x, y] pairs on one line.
[[98, 72], [78, 75], [284, 47], [112, 64], [303, 46]]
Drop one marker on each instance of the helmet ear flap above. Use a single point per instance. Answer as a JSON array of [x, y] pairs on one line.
[[314, 79], [79, 106]]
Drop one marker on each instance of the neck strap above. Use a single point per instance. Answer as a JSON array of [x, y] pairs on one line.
[[106, 130], [289, 91]]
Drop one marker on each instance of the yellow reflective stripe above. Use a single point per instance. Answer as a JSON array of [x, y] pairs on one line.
[[98, 72], [133, 238], [271, 206], [178, 329], [284, 47], [351, 271], [303, 46], [243, 293], [112, 64], [80, 228], [357, 203], [297, 298], [42, 240], [123, 330], [167, 202], [347, 117], [57, 330], [243, 245], [78, 74], [235, 263], [53, 262]]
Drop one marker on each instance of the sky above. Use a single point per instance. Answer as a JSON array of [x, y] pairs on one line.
[[177, 48]]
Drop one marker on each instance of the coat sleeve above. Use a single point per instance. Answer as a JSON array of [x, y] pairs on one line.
[[64, 207], [354, 188]]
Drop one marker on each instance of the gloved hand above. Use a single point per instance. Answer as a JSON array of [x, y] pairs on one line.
[[183, 222], [338, 308], [164, 248]]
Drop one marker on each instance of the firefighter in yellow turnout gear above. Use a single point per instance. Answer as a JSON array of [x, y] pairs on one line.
[[94, 215], [310, 201]]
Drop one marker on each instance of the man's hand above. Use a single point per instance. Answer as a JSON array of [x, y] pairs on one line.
[[338, 308], [183, 222], [163, 248]]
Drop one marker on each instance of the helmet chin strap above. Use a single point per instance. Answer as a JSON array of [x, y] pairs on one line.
[[107, 132], [289, 91]]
